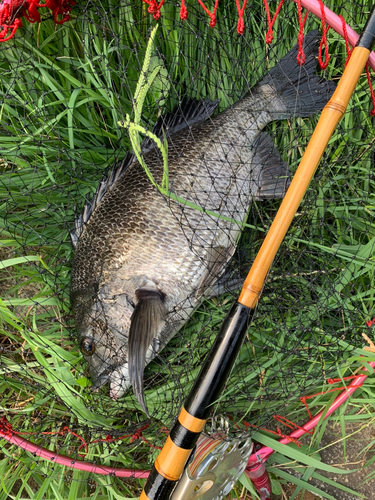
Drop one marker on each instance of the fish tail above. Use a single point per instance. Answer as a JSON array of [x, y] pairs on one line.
[[300, 91]]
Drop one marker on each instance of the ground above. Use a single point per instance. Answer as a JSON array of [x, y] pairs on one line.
[[360, 448]]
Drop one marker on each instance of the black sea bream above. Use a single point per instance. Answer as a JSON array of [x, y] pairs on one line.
[[143, 261]]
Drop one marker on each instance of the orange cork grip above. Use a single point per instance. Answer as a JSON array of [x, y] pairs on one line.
[[331, 115], [191, 423], [171, 461]]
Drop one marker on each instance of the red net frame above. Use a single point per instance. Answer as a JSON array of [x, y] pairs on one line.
[[12, 11], [317, 7]]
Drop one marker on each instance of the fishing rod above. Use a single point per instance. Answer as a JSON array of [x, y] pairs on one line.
[[171, 461]]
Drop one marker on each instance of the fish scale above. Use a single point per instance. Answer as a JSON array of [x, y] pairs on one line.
[[143, 262]]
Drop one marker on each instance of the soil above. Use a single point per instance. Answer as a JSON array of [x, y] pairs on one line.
[[351, 454], [288, 490]]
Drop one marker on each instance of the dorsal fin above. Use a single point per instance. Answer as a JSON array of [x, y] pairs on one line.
[[90, 205], [187, 113], [184, 115]]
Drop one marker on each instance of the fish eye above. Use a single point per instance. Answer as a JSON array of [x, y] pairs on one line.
[[87, 346]]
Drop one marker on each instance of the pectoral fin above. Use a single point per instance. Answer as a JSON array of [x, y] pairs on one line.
[[147, 321]]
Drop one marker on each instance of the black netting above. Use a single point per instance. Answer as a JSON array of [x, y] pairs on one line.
[[63, 91]]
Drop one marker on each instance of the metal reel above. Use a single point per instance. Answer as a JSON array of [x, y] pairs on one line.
[[215, 469]]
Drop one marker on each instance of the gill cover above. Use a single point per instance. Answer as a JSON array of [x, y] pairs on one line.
[[147, 321]]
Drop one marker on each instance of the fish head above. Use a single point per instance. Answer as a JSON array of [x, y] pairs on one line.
[[103, 327], [120, 329]]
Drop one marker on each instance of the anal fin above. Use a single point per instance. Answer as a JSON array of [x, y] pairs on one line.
[[227, 283], [218, 258], [274, 178]]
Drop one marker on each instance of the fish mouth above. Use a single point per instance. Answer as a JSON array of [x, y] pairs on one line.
[[119, 381], [99, 380]]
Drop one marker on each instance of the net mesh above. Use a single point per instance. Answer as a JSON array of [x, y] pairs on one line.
[[63, 90]]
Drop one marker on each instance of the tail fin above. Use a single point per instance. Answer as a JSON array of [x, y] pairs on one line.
[[299, 89]]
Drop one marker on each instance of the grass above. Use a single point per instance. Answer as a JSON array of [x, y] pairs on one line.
[[63, 90]]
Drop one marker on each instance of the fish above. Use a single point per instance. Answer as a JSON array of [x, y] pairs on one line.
[[143, 261]]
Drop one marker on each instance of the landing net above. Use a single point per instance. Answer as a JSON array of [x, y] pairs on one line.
[[63, 91]]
